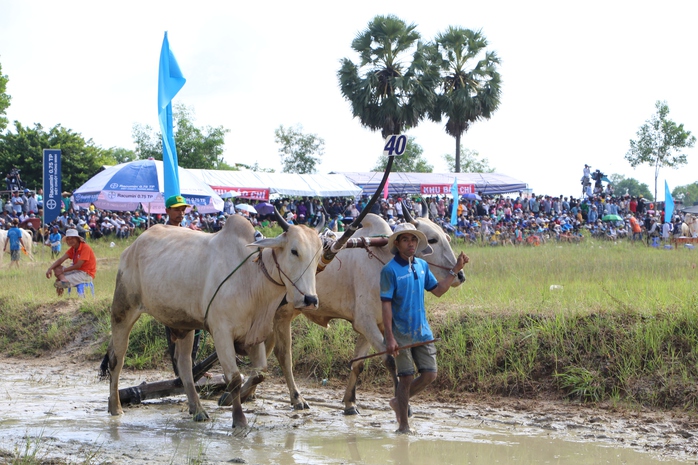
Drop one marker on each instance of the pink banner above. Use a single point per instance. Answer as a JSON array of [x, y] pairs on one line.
[[255, 193], [445, 189]]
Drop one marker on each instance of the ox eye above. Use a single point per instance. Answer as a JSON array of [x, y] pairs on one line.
[[294, 252], [433, 241]]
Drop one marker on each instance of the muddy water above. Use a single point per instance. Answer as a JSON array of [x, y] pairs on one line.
[[59, 411]]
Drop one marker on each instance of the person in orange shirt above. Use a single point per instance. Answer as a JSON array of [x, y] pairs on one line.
[[636, 228], [84, 265]]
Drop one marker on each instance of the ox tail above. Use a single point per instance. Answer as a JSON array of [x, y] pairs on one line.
[[104, 367]]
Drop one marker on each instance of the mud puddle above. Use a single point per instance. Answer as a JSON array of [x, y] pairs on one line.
[[58, 411]]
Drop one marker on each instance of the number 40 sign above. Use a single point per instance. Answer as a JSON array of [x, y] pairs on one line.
[[395, 145]]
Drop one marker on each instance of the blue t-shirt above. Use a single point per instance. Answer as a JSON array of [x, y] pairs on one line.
[[15, 236], [404, 285]]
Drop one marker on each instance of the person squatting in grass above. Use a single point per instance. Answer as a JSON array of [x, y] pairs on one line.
[[402, 284], [84, 265]]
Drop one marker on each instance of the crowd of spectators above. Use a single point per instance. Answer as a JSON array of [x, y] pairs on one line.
[[491, 219]]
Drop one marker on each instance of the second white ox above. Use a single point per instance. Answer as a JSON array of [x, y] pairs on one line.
[[175, 275], [349, 289]]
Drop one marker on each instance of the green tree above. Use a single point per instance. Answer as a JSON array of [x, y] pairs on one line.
[[393, 86], [470, 162], [412, 161], [630, 186], [299, 152], [688, 194], [659, 142], [470, 87], [121, 155], [80, 159], [256, 168], [200, 148], [4, 100]]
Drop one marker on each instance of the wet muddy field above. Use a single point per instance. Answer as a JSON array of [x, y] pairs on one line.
[[56, 410]]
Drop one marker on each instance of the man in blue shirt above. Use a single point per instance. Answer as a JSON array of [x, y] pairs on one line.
[[403, 282], [14, 237]]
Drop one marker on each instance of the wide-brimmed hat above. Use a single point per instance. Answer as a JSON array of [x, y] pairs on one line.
[[175, 201], [408, 228], [73, 233]]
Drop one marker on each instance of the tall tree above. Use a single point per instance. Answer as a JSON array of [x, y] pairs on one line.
[[200, 148], [23, 148], [412, 161], [393, 86], [630, 186], [470, 162], [470, 87], [4, 100], [299, 152], [659, 143]]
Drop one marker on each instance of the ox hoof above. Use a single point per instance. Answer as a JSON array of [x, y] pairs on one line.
[[351, 411], [249, 398], [201, 416], [225, 400], [301, 406]]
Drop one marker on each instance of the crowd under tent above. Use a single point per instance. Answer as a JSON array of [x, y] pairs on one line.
[[429, 184], [260, 186]]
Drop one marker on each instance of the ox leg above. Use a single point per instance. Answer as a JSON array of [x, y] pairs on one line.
[[283, 353], [258, 357], [122, 320], [225, 347], [360, 349], [182, 354]]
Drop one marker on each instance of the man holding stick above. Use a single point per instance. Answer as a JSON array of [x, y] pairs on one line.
[[403, 282]]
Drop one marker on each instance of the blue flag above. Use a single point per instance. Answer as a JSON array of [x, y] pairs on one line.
[[170, 81], [668, 203], [454, 209]]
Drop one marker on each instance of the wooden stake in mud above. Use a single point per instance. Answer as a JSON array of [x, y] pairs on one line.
[[409, 346]]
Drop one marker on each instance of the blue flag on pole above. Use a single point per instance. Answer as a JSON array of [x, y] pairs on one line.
[[668, 203], [454, 209], [170, 81]]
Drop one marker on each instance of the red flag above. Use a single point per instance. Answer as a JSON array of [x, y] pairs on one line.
[[385, 189]]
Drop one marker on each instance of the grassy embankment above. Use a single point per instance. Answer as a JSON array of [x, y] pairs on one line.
[[624, 326]]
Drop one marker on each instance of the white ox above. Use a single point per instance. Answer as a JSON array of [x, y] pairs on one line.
[[27, 239], [173, 274], [349, 289], [689, 227]]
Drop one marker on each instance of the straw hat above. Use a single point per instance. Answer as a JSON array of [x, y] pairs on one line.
[[408, 228]]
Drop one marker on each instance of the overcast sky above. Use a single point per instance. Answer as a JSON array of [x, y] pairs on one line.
[[579, 79]]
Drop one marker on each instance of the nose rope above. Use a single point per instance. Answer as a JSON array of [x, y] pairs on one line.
[[282, 273]]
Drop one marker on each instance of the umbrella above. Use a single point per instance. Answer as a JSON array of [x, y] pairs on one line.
[[264, 208], [612, 218], [123, 187], [471, 196], [246, 207], [230, 194]]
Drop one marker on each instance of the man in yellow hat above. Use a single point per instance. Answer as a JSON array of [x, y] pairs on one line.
[[403, 282]]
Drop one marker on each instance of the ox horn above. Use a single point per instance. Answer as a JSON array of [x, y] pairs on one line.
[[425, 209], [321, 224], [280, 219], [406, 213]]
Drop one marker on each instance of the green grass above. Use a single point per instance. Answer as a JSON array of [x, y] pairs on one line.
[[623, 327]]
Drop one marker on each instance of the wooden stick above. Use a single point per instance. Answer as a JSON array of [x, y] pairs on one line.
[[409, 346]]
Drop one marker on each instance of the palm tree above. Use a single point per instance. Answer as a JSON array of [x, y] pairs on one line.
[[393, 86], [470, 89]]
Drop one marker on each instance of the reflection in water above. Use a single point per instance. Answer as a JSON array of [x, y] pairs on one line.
[[70, 414]]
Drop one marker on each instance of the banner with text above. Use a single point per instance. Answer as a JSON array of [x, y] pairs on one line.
[[445, 189], [254, 193], [52, 185]]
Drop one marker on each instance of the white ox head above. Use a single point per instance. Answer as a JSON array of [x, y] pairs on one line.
[[297, 250], [443, 258]]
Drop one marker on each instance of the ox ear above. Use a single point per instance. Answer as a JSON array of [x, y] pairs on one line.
[[271, 243]]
